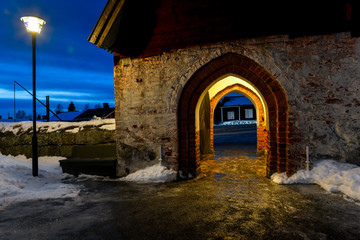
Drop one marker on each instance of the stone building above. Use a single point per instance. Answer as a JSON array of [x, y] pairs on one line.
[[297, 62]]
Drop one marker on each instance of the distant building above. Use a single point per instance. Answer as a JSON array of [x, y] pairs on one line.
[[232, 108], [65, 116], [105, 113]]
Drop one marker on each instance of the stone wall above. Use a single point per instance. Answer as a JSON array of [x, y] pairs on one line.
[[53, 144], [319, 74]]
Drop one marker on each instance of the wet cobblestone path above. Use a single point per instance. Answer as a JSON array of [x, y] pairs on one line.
[[232, 200]]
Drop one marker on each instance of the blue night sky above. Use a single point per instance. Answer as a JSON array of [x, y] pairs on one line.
[[69, 68]]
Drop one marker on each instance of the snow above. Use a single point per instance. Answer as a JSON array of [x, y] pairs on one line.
[[155, 173], [17, 183], [235, 99], [51, 127], [236, 122], [332, 176]]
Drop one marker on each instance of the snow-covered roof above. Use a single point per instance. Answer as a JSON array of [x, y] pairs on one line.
[[235, 100], [98, 112], [65, 116]]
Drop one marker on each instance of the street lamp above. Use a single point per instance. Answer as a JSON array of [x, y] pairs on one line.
[[33, 26]]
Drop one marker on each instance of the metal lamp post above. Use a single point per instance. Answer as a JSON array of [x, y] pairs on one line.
[[33, 26]]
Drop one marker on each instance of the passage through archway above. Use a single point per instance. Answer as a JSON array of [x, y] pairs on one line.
[[231, 84], [234, 129], [250, 79]]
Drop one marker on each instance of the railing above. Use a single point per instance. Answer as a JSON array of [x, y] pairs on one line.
[[47, 106]]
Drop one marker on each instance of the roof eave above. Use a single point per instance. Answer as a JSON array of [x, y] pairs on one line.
[[104, 33]]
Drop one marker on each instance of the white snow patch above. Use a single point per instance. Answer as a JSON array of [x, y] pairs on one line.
[[108, 127], [50, 127], [17, 183], [236, 122], [155, 173], [330, 175], [74, 130]]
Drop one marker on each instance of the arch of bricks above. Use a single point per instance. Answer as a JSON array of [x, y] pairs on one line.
[[277, 159], [261, 131]]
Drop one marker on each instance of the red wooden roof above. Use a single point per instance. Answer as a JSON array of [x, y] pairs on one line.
[[140, 28]]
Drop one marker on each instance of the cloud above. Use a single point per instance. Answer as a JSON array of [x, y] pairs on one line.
[[69, 68], [56, 80], [63, 93], [55, 95], [7, 94]]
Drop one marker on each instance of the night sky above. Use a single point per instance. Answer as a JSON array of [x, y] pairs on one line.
[[69, 68]]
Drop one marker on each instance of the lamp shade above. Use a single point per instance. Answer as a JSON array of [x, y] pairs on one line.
[[33, 24]]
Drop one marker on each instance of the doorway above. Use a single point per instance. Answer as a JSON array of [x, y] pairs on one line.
[[232, 73], [234, 127]]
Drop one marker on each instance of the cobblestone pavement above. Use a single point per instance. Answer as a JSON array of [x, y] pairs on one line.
[[231, 200]]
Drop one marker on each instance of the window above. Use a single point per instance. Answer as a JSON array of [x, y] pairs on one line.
[[249, 113], [230, 115]]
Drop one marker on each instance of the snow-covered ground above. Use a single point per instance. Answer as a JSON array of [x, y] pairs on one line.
[[155, 173], [17, 183], [330, 175], [236, 122], [50, 127]]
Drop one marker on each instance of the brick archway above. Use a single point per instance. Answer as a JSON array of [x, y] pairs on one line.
[[261, 130], [274, 96]]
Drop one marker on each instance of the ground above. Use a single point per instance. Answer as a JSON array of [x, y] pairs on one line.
[[231, 200]]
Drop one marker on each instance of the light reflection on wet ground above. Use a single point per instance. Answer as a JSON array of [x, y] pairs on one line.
[[231, 200]]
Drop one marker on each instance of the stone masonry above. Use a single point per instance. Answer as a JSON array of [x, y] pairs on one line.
[[319, 75], [54, 144]]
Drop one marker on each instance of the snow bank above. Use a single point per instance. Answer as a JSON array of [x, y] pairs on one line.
[[236, 122], [155, 173], [50, 127], [17, 183], [331, 175]]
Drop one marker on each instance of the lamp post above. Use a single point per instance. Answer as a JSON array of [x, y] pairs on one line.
[[33, 26]]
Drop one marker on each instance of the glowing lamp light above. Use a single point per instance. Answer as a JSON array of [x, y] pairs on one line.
[[33, 24]]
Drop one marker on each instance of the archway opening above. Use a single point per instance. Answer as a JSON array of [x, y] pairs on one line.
[[233, 73], [207, 111], [234, 127]]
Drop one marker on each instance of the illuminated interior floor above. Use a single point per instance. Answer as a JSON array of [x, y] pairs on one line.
[[239, 142]]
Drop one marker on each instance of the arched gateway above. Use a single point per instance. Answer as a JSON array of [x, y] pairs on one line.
[[261, 112], [267, 88]]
